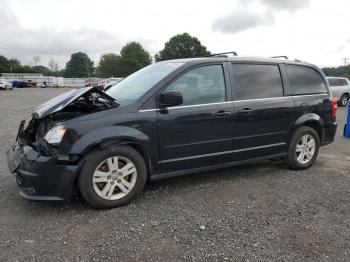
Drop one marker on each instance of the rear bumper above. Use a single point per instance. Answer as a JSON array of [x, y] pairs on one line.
[[329, 133], [41, 178]]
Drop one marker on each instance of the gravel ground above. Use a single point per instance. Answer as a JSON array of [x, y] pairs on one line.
[[258, 212]]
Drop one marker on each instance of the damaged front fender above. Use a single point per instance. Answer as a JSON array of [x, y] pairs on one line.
[[101, 135]]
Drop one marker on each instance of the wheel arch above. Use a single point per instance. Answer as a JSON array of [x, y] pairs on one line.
[[345, 93], [312, 120], [139, 147], [107, 136], [101, 138], [114, 142]]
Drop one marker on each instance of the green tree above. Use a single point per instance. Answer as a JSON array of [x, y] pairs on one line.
[[134, 57], [15, 66], [182, 46], [24, 69], [4, 64], [42, 70], [341, 71], [79, 65], [109, 65], [61, 72]]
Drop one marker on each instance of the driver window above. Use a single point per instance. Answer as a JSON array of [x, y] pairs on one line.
[[202, 85]]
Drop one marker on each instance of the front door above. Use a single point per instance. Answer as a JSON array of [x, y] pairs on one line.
[[199, 132]]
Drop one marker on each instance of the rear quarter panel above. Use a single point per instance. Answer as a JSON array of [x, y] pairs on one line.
[[314, 108]]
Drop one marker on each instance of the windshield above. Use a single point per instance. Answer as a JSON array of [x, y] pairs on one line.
[[138, 83]]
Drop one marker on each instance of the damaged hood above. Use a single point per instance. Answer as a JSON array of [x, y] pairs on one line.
[[60, 102]]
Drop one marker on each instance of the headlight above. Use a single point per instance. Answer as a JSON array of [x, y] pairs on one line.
[[55, 135]]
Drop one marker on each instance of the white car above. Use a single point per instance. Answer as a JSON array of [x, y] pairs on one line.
[[5, 85], [340, 87]]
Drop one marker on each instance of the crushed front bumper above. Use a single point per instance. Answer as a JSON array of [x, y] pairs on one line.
[[41, 178]]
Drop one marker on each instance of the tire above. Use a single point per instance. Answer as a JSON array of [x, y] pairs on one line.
[[297, 147], [102, 186], [344, 100]]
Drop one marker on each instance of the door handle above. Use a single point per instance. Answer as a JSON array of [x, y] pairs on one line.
[[222, 114], [245, 111]]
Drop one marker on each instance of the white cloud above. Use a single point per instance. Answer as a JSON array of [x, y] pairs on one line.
[[24, 43], [312, 30], [241, 20], [288, 5], [245, 17]]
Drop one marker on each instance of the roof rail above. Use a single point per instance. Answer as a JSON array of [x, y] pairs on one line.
[[280, 56], [222, 54]]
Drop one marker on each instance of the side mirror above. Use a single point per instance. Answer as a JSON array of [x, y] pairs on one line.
[[170, 98]]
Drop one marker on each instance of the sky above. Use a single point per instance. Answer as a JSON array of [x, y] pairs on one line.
[[316, 31]]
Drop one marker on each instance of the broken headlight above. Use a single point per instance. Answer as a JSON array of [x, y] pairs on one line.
[[55, 134]]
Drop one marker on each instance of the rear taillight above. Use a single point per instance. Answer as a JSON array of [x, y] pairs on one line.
[[334, 107]]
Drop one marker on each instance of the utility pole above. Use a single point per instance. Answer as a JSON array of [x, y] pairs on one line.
[[87, 66], [346, 59]]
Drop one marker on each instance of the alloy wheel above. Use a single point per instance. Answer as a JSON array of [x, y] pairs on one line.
[[305, 149], [344, 100], [114, 178]]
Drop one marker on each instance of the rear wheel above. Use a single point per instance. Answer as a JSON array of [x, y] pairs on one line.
[[344, 99], [303, 148], [112, 177]]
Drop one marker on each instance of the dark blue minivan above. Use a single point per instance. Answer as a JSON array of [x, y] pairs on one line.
[[172, 118]]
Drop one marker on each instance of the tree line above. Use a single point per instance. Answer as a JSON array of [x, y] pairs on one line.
[[132, 57], [341, 71]]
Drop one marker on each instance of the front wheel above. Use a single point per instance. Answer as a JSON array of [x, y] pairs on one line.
[[112, 177], [303, 148]]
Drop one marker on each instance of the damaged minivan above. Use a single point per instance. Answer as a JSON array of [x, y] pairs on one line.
[[172, 118]]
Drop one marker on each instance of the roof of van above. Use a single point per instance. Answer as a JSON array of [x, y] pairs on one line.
[[240, 59]]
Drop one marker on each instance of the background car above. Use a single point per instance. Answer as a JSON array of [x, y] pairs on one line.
[[32, 83], [19, 83], [92, 82], [109, 82], [5, 85], [340, 87]]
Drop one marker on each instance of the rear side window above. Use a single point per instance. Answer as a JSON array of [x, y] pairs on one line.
[[202, 85], [304, 80], [338, 82], [257, 81]]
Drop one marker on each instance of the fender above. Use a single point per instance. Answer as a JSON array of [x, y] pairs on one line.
[[309, 117], [114, 133]]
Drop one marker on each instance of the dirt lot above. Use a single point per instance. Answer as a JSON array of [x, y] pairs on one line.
[[260, 212]]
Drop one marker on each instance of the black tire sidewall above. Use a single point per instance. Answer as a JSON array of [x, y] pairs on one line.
[[291, 158], [94, 159]]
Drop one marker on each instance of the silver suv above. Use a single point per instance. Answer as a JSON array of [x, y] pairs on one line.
[[340, 87]]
